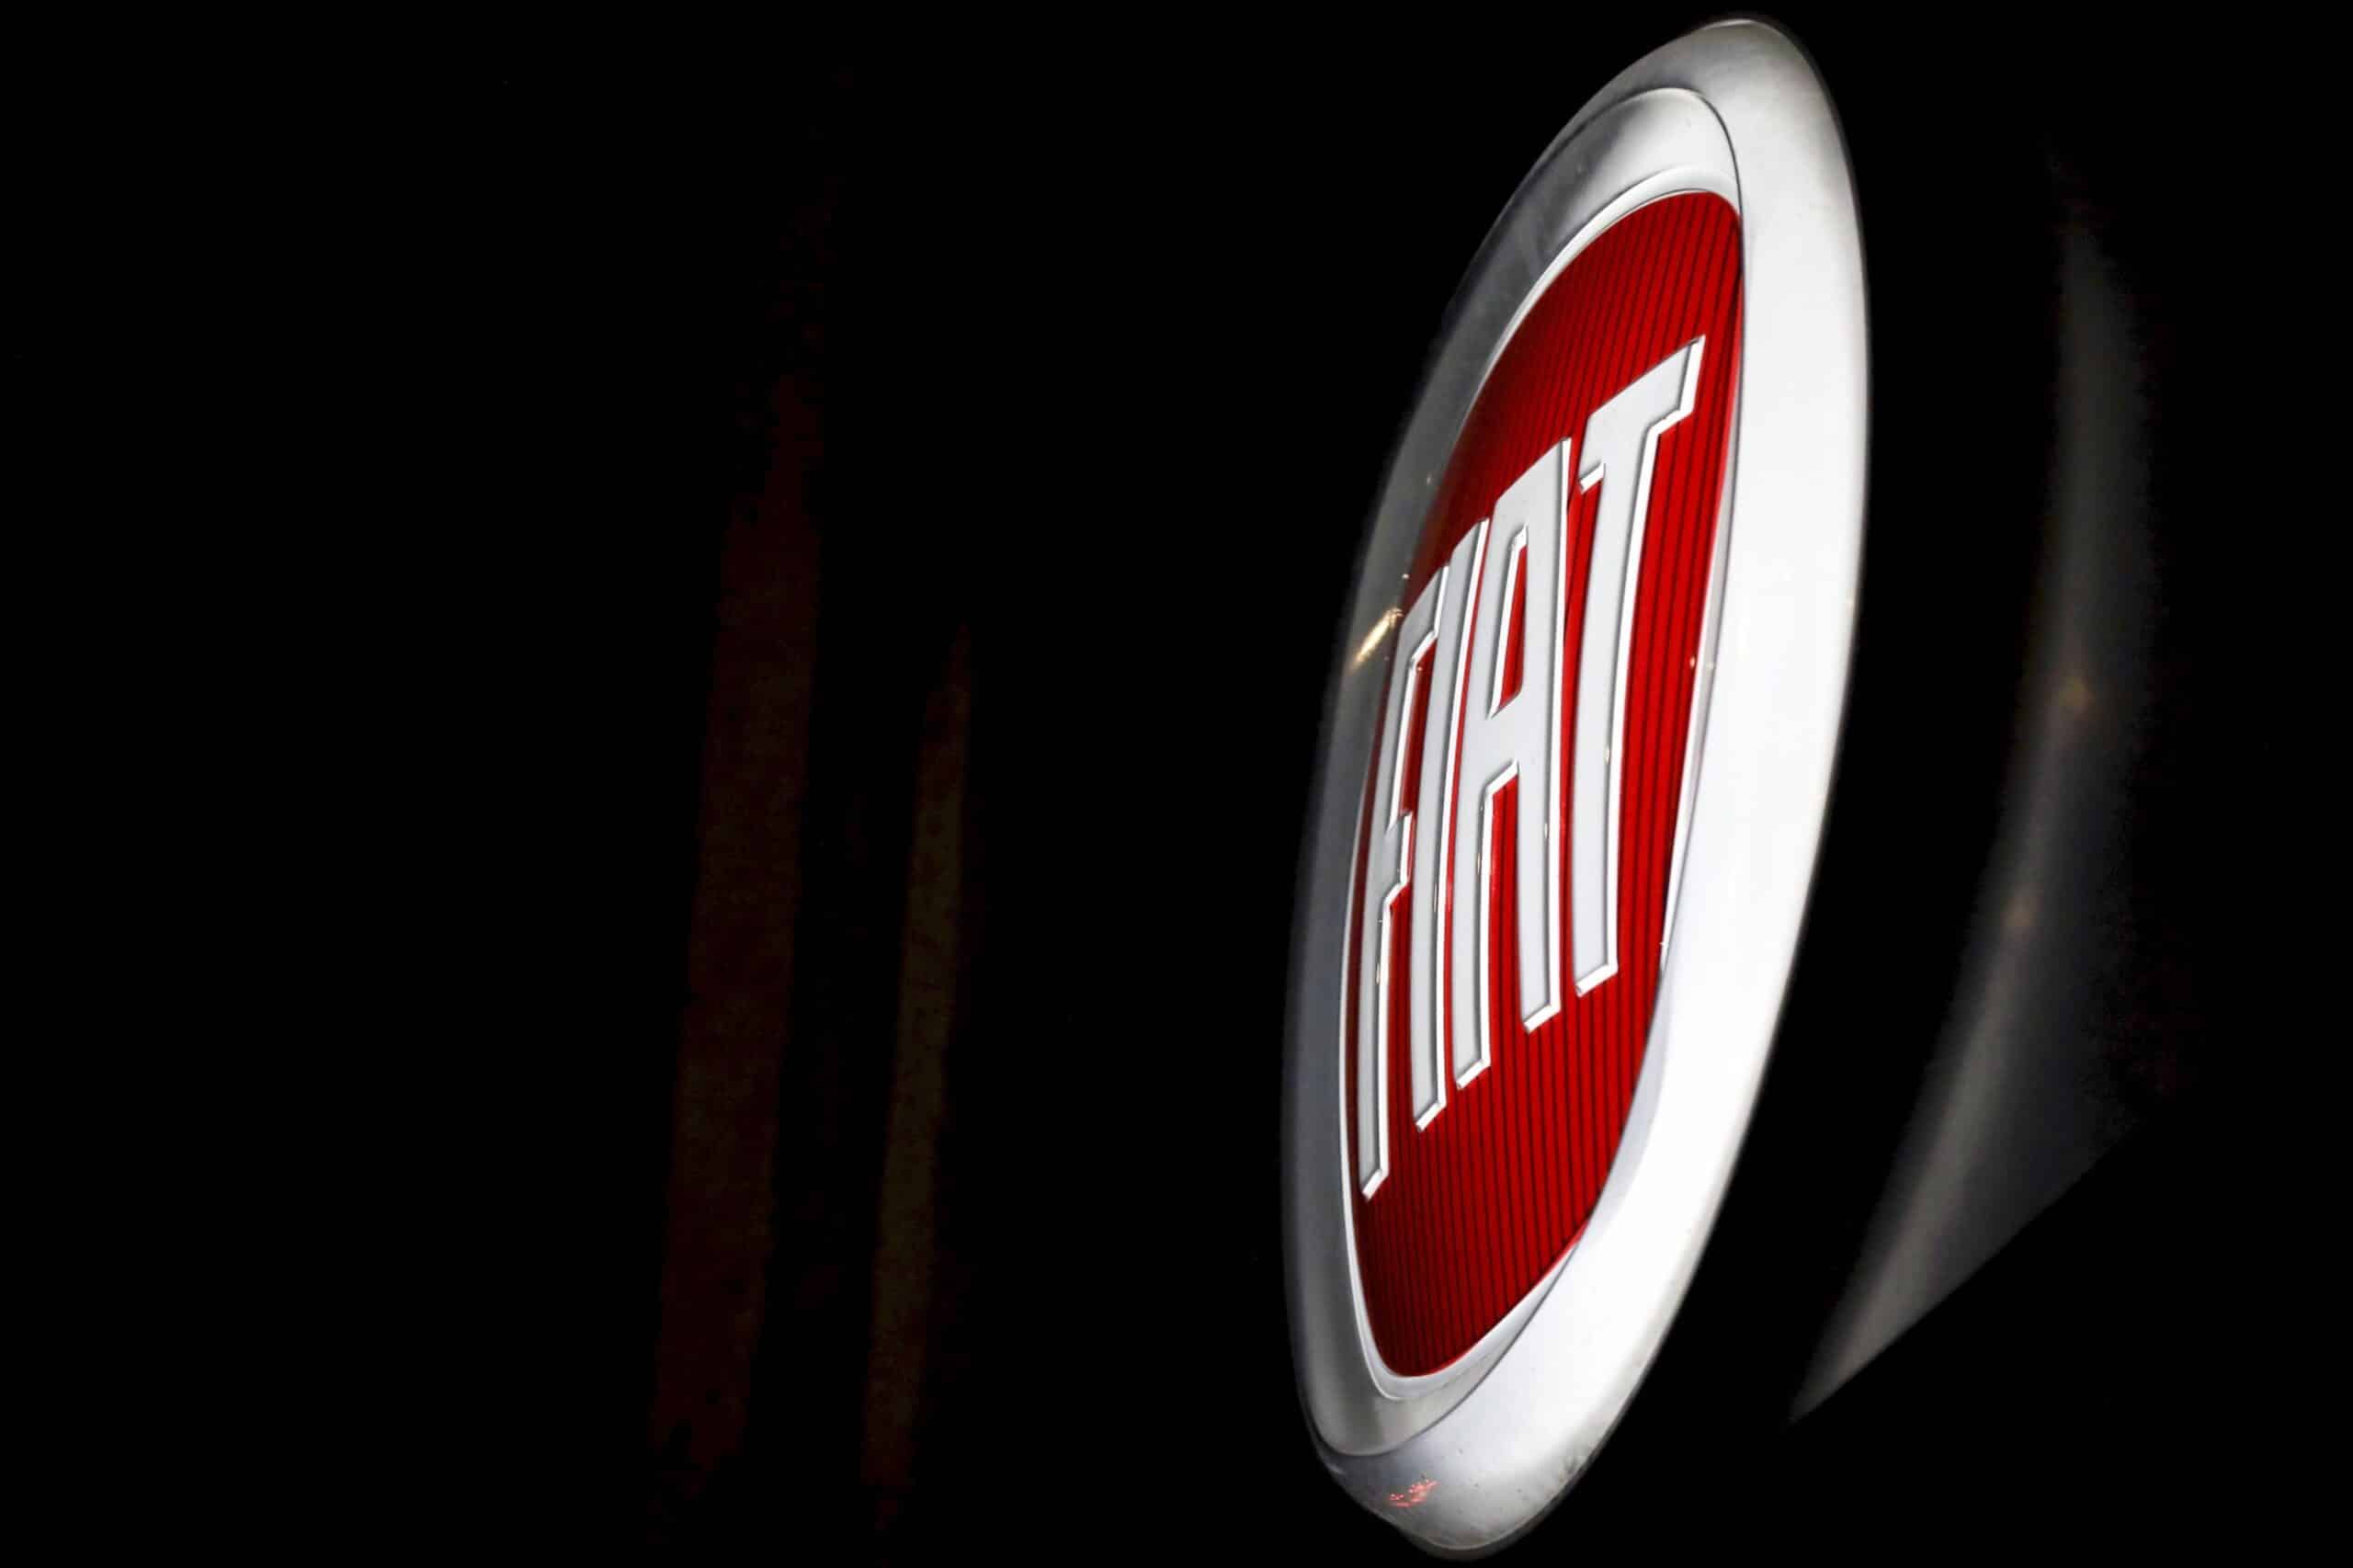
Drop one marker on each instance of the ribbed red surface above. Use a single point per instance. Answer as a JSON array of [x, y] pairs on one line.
[[1478, 1205]]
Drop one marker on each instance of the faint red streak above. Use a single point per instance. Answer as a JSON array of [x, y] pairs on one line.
[[1413, 1495]]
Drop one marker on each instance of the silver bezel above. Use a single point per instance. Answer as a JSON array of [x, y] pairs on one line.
[[1500, 1436]]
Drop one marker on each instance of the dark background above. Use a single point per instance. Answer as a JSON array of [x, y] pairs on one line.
[[943, 467]]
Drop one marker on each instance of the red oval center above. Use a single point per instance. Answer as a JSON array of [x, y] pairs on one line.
[[1477, 1205]]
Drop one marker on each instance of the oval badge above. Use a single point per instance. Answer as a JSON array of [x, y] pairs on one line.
[[1581, 740]]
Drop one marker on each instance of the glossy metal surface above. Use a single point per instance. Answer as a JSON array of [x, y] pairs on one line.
[[1464, 1459]]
